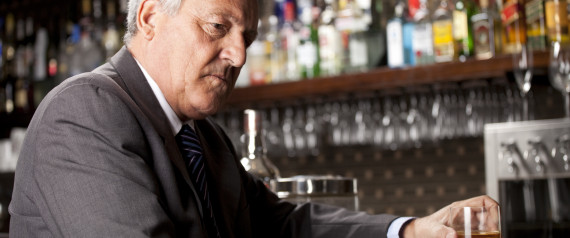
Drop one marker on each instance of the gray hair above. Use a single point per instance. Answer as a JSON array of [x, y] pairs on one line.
[[169, 7]]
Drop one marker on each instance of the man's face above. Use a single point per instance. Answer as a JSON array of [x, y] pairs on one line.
[[199, 52]]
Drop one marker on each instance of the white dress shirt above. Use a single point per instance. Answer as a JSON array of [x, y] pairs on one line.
[[174, 121]]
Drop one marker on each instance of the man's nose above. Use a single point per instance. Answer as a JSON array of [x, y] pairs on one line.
[[234, 51]]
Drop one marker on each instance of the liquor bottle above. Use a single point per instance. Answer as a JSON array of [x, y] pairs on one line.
[[395, 36], [289, 41], [462, 29], [408, 34], [9, 65], [24, 65], [556, 22], [308, 50], [254, 153], [353, 24], [535, 24], [330, 44], [88, 53], [257, 66], [483, 31], [443, 32], [423, 35], [2, 49], [111, 37], [273, 51], [514, 25]]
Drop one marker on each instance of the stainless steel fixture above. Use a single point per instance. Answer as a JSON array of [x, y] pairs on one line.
[[527, 171], [331, 190]]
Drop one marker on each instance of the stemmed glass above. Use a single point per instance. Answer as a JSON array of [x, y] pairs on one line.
[[522, 70], [559, 71]]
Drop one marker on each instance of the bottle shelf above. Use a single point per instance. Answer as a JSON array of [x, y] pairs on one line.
[[378, 79]]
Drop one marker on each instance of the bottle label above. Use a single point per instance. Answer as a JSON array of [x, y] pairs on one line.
[[481, 34], [511, 12], [358, 51], [330, 48], [460, 30], [307, 54], [536, 28], [422, 43], [395, 41], [443, 39]]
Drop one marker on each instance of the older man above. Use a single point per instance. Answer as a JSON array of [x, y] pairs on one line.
[[128, 150]]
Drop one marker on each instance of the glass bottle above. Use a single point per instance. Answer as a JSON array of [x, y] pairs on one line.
[[23, 91], [514, 25], [289, 41], [462, 29], [308, 49], [353, 24], [395, 36], [10, 73], [443, 32], [273, 53], [330, 44], [483, 31], [535, 24], [254, 152], [111, 37], [557, 20], [257, 63], [423, 35]]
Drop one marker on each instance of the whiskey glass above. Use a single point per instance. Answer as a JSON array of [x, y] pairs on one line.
[[476, 222]]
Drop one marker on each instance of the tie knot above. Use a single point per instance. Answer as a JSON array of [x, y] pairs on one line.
[[187, 139]]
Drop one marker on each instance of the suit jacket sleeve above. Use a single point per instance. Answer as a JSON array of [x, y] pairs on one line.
[[272, 217], [85, 161]]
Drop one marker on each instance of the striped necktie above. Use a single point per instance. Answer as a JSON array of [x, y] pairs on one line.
[[191, 150]]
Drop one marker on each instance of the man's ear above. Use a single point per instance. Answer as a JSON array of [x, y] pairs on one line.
[[146, 18]]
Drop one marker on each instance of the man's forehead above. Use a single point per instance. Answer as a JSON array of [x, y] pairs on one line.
[[237, 11]]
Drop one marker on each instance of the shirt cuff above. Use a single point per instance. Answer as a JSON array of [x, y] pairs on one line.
[[396, 226]]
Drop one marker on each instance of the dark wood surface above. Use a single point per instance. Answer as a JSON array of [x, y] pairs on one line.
[[380, 78]]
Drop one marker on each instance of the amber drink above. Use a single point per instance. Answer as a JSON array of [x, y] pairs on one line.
[[476, 222], [479, 234]]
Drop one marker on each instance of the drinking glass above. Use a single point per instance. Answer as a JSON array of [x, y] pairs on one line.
[[522, 70], [476, 222], [559, 71]]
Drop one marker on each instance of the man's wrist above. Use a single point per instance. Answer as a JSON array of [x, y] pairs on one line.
[[407, 230]]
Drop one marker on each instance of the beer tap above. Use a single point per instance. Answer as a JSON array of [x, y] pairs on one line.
[[561, 148], [510, 152], [534, 156], [507, 154]]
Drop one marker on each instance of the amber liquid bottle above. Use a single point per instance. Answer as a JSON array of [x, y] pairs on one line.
[[514, 25]]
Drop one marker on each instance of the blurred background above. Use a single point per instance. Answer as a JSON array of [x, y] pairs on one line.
[[394, 93]]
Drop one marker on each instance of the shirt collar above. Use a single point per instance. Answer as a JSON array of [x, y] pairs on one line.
[[173, 120]]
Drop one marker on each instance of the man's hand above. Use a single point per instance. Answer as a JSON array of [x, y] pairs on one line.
[[437, 225]]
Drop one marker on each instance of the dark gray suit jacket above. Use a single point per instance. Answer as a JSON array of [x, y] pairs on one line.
[[100, 160]]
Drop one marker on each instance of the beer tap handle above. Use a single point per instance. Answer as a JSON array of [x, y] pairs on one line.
[[509, 148], [534, 154], [561, 148]]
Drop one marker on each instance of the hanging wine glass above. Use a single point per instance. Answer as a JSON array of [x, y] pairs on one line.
[[522, 70], [559, 71]]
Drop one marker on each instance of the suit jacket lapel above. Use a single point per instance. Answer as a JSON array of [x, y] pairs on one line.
[[223, 172], [134, 83]]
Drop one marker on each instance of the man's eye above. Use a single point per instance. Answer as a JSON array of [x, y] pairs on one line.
[[216, 29], [218, 26]]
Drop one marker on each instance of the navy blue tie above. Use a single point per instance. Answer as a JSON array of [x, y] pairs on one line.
[[191, 150]]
